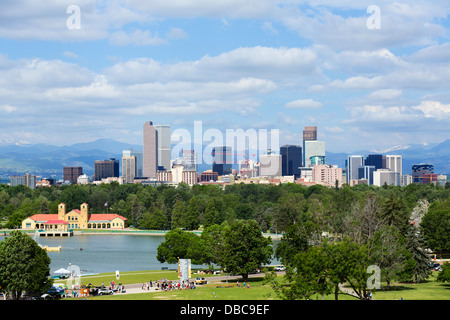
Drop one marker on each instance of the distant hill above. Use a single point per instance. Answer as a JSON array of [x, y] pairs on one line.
[[47, 160], [437, 155]]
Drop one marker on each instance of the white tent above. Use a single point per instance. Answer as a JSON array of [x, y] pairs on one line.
[[62, 271]]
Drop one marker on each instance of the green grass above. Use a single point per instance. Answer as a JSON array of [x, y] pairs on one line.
[[429, 290]]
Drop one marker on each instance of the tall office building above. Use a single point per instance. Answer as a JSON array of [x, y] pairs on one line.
[[291, 160], [366, 172], [28, 180], [352, 164], [326, 174], [106, 169], [270, 164], [150, 160], [71, 174], [394, 163], [128, 168], [138, 165], [222, 159], [313, 149], [386, 176], [418, 170], [310, 133], [375, 160], [189, 160], [163, 136]]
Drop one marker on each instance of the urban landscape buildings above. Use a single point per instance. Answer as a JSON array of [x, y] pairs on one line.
[[304, 163]]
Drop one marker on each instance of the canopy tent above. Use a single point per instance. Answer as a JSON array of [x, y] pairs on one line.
[[62, 271]]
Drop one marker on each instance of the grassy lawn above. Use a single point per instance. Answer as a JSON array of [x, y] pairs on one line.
[[430, 290]]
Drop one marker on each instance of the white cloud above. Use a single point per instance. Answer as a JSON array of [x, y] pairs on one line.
[[7, 108], [434, 109], [303, 104], [385, 94], [137, 38], [176, 34]]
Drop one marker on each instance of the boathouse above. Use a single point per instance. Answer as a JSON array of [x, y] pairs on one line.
[[74, 219]]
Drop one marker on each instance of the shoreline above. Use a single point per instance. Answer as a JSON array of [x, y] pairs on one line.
[[158, 233]]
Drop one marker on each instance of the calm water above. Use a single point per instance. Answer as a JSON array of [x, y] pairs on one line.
[[106, 253]]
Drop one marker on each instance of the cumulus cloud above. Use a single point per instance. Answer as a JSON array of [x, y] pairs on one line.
[[303, 104], [434, 109]]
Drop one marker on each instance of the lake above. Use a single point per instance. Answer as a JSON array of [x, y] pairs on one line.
[[107, 252]]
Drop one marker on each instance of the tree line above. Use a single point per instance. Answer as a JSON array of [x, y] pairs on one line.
[[331, 236]]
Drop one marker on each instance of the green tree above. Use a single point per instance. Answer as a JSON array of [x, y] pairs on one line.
[[435, 226], [180, 244], [395, 213], [24, 266], [292, 206], [323, 269], [415, 245], [296, 239], [444, 274], [192, 221], [244, 248], [179, 215], [154, 220]]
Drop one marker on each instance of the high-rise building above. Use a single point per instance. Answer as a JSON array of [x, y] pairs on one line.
[[189, 160], [222, 159], [291, 160], [386, 176], [132, 165], [150, 160], [366, 172], [139, 161], [270, 165], [163, 136], [420, 169], [71, 174], [106, 169], [313, 149], [352, 164], [326, 174], [128, 168], [310, 133], [375, 160], [28, 180], [394, 163]]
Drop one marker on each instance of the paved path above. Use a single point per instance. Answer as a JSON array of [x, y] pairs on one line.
[[137, 287]]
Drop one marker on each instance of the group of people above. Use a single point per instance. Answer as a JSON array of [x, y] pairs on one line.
[[169, 285], [243, 285]]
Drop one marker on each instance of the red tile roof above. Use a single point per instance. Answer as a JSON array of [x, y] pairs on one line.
[[105, 216], [56, 221], [44, 217], [93, 217]]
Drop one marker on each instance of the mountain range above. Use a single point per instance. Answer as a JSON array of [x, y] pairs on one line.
[[48, 161]]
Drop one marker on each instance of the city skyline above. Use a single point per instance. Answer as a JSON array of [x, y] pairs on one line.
[[372, 77]]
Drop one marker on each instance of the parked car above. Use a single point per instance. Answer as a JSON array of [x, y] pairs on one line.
[[104, 291], [200, 281], [435, 266], [279, 268]]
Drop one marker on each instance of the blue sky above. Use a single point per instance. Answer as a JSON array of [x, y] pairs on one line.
[[255, 64]]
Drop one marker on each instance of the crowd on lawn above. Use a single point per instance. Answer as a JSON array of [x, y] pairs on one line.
[[168, 285]]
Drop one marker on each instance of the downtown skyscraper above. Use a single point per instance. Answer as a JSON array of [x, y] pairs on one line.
[[150, 140]]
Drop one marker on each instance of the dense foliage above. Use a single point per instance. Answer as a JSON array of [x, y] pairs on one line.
[[24, 266], [368, 224]]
